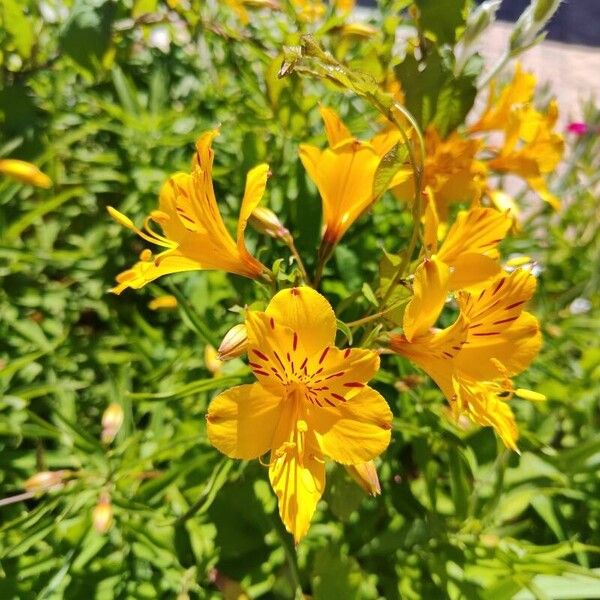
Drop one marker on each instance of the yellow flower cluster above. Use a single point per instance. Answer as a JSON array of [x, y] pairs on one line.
[[458, 168], [311, 401]]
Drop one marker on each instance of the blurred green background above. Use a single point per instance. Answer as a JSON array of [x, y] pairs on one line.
[[107, 97]]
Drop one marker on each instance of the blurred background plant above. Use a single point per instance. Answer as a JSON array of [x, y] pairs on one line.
[[109, 487]]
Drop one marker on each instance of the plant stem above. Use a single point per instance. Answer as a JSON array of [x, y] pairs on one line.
[[292, 246]]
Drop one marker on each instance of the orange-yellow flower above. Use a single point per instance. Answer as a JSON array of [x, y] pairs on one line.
[[194, 235], [24, 172], [344, 173], [452, 171], [311, 402], [473, 359]]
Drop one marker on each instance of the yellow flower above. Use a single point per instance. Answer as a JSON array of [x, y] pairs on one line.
[[470, 246], [24, 172], [344, 173], [309, 11], [472, 360], [531, 149], [311, 402], [452, 171], [499, 106], [194, 235]]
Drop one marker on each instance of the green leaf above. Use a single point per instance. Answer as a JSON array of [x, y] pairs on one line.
[[19, 26], [389, 165], [441, 18], [85, 36], [434, 95]]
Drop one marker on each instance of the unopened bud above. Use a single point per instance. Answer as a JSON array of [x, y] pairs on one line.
[[533, 19], [45, 481], [266, 221], [363, 30], [479, 20], [211, 360], [102, 516], [166, 302], [543, 10], [235, 343], [24, 172], [112, 419], [365, 475], [530, 395]]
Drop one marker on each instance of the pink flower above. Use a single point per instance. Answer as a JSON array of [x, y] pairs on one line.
[[578, 128]]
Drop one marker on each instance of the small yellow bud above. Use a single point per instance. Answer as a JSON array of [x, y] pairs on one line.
[[102, 516], [112, 419], [45, 481], [146, 255], [120, 218], [530, 395], [24, 172], [211, 360], [235, 343], [166, 302], [365, 475], [266, 221]]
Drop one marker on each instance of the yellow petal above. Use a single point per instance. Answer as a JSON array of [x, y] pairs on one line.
[[355, 431], [365, 474], [306, 312], [25, 172], [344, 177], [430, 289], [274, 352], [515, 347], [335, 129], [472, 270], [241, 422], [256, 182], [481, 403], [297, 474], [497, 306], [341, 374]]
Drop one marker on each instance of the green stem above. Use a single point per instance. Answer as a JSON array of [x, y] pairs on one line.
[[292, 246], [502, 62]]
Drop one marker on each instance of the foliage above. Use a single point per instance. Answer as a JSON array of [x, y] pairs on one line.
[[108, 98]]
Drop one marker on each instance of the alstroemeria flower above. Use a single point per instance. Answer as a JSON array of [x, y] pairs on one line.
[[344, 173], [473, 359], [451, 171], [194, 235], [311, 402], [470, 248], [24, 172]]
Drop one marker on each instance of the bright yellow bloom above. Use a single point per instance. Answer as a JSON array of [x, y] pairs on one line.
[[499, 106], [194, 235], [470, 246], [344, 173], [531, 149], [311, 402], [472, 360], [309, 11], [24, 172], [452, 171]]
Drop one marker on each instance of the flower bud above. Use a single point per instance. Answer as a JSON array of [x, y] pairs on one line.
[[266, 221], [479, 20], [166, 302], [234, 344], [24, 172], [363, 30], [102, 516], [112, 419], [45, 481], [211, 360], [365, 475]]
